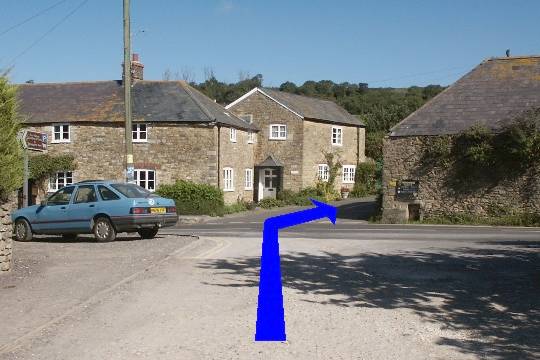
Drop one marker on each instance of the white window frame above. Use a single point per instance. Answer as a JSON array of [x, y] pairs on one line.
[[54, 181], [61, 132], [146, 185], [232, 135], [228, 179], [248, 183], [251, 137], [338, 139], [136, 134], [347, 177], [323, 172], [282, 129], [247, 118]]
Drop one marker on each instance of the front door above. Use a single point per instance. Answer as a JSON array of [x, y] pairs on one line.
[[270, 183]]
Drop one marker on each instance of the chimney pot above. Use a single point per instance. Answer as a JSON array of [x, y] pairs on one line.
[[135, 57]]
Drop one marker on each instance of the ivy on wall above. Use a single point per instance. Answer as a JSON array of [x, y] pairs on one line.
[[43, 166], [479, 156]]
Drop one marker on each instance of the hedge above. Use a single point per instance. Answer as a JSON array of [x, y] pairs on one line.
[[194, 199]]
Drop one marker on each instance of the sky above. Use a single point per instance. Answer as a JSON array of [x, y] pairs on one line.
[[386, 43]]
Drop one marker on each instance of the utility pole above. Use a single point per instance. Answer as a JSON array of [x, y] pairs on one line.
[[127, 93]]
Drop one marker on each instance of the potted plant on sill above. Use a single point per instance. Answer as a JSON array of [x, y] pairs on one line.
[[345, 192]]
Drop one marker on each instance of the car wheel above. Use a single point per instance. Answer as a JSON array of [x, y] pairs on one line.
[[148, 233], [69, 237], [103, 230], [23, 231]]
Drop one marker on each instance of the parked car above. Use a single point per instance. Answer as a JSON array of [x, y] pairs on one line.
[[103, 208]]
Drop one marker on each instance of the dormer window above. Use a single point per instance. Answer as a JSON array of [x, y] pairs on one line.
[[61, 133]]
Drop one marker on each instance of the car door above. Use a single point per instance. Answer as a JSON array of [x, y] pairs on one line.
[[82, 209], [52, 217]]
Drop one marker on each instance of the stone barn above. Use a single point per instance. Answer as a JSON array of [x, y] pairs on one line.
[[492, 96]]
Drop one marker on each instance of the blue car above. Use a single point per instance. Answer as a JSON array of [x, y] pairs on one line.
[[103, 208]]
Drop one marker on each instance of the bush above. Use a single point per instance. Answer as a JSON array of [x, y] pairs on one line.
[[194, 199], [300, 198], [366, 177], [238, 207], [11, 156], [269, 203]]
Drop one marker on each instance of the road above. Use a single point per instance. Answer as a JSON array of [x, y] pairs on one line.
[[353, 291]]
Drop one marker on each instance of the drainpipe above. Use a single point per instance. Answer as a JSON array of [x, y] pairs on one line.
[[218, 156], [357, 145]]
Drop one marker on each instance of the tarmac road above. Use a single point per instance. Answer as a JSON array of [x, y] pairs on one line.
[[353, 291]]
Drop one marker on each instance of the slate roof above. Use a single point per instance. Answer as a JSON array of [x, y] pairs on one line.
[[493, 94], [313, 108], [103, 101], [270, 161]]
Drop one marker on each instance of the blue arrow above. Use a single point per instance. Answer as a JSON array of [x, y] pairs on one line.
[[270, 324]]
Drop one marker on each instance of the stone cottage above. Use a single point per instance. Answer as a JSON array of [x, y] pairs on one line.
[[178, 133], [492, 95], [294, 132]]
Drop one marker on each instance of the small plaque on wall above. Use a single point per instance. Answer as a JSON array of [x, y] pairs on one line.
[[407, 189]]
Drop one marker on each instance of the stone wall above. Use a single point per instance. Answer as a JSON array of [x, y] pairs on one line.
[[402, 157], [320, 139], [6, 207], [289, 151], [238, 155], [175, 151]]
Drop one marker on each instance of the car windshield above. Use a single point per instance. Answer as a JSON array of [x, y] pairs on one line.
[[132, 190]]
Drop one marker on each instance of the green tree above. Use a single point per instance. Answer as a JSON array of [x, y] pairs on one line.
[[11, 162]]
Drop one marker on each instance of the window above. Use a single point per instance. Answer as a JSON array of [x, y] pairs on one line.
[[60, 180], [247, 118], [278, 132], [348, 174], [61, 133], [107, 194], [251, 137], [233, 135], [228, 179], [139, 133], [145, 179], [132, 191], [322, 173], [249, 180], [62, 197], [337, 136], [85, 194]]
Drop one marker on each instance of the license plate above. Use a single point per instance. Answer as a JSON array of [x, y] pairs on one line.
[[160, 210]]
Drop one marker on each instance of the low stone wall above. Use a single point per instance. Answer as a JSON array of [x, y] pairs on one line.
[[402, 160], [5, 234]]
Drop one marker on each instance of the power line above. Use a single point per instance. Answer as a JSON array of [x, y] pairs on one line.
[[32, 17], [11, 63]]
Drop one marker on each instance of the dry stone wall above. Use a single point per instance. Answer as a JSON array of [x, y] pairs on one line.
[[6, 207], [402, 160]]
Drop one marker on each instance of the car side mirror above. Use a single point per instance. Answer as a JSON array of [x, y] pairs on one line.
[[43, 203]]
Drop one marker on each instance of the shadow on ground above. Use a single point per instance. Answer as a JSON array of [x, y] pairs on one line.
[[360, 210], [493, 292], [84, 239]]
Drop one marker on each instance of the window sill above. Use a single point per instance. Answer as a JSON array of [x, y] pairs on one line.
[[228, 190], [337, 144], [347, 182], [248, 189], [251, 142], [60, 141], [278, 139], [139, 141]]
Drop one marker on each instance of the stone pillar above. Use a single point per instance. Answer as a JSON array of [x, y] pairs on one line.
[[6, 233]]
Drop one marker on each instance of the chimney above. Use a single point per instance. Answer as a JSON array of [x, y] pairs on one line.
[[137, 68]]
